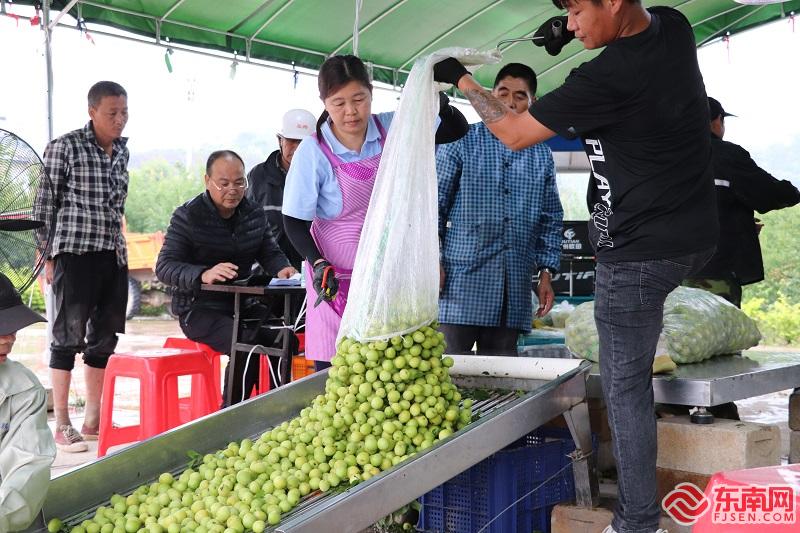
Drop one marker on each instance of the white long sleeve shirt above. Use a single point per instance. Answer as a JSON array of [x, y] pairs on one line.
[[27, 448]]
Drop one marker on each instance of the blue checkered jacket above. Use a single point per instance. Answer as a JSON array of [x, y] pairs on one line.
[[500, 221]]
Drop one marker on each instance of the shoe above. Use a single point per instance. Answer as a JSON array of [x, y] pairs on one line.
[[90, 433], [69, 440]]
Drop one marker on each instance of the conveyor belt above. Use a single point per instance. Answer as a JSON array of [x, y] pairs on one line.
[[502, 419]]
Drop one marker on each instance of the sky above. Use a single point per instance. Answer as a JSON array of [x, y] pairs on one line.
[[756, 75]]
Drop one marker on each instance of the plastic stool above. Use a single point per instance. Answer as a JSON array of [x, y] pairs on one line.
[[157, 372], [263, 375], [213, 356]]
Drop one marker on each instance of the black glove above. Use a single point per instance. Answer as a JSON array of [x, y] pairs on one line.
[[553, 35], [448, 71], [325, 282]]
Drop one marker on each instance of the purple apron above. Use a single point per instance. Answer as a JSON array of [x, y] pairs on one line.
[[337, 240]]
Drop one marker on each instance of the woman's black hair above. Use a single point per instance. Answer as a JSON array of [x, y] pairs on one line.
[[335, 73], [218, 154]]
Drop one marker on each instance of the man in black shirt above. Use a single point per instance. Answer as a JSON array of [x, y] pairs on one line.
[[742, 188], [267, 180], [639, 108]]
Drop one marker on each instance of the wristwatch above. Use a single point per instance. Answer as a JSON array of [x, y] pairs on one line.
[[548, 270]]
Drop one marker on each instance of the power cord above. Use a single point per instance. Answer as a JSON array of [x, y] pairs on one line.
[[294, 328], [272, 371]]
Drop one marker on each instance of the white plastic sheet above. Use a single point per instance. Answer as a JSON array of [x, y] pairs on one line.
[[395, 283]]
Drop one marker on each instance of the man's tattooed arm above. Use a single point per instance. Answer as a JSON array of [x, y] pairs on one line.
[[489, 108]]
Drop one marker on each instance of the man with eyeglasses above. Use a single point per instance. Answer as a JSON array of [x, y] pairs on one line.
[[215, 238]]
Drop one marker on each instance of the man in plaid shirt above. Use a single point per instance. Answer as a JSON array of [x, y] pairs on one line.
[[88, 265], [499, 222]]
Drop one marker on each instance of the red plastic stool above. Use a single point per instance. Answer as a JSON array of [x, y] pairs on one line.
[[157, 372], [213, 356], [263, 375]]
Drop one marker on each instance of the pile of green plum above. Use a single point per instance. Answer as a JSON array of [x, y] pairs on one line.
[[384, 401]]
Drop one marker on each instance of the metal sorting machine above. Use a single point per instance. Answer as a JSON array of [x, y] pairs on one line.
[[549, 387]]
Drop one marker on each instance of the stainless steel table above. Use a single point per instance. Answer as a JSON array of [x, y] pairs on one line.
[[719, 380], [284, 352]]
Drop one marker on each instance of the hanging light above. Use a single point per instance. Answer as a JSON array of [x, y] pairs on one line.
[[167, 60], [234, 64]]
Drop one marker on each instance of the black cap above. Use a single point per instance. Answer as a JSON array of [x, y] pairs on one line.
[[715, 109], [14, 315]]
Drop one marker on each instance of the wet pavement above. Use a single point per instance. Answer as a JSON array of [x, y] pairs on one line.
[[141, 334]]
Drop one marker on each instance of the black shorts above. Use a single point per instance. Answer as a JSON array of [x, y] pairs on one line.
[[90, 292]]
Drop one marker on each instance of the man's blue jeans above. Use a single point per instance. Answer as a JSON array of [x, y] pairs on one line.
[[629, 304]]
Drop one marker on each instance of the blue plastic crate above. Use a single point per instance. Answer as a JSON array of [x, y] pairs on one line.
[[467, 503]]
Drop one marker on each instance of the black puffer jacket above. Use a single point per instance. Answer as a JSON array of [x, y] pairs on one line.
[[199, 238]]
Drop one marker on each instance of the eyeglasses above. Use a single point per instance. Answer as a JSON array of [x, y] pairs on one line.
[[236, 185]]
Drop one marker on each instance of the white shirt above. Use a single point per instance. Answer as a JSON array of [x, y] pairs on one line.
[[27, 448]]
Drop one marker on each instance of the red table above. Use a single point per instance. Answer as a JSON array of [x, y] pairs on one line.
[[753, 501]]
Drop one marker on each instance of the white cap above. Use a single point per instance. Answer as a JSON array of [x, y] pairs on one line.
[[297, 124]]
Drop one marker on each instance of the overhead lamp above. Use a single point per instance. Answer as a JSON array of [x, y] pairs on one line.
[[167, 60], [234, 64]]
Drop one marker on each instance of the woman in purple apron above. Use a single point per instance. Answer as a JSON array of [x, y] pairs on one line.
[[328, 189]]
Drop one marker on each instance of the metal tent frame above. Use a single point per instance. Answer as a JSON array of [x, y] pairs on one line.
[[388, 34]]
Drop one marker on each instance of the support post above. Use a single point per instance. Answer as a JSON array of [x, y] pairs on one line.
[[48, 59], [583, 460]]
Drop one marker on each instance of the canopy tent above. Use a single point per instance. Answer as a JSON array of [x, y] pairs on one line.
[[390, 33]]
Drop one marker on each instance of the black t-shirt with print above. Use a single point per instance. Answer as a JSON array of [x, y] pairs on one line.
[[640, 109]]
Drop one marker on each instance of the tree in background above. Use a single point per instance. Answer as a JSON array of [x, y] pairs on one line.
[[155, 189], [780, 246], [775, 302]]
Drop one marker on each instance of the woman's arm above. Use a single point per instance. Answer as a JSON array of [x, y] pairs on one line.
[[299, 233]]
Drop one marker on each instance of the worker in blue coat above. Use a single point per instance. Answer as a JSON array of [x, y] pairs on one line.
[[500, 221]]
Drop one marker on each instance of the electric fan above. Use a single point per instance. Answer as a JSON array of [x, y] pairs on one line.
[[27, 211]]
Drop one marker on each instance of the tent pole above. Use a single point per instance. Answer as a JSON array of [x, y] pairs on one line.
[[48, 59], [49, 296]]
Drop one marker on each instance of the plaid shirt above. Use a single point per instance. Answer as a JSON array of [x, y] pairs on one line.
[[90, 190], [500, 219]]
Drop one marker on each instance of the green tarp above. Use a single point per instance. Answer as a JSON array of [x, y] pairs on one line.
[[392, 32]]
